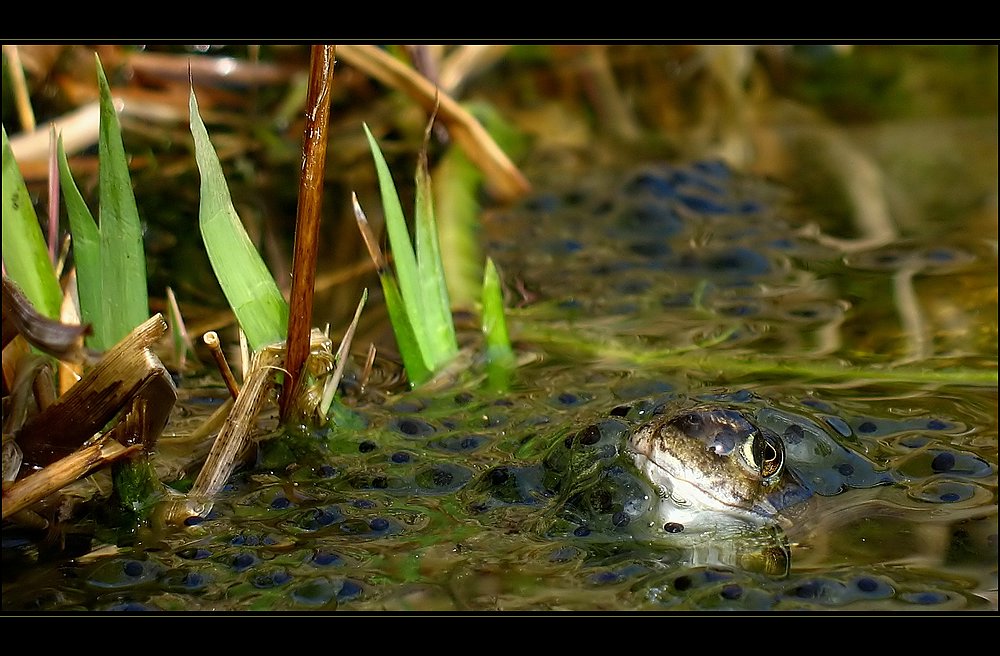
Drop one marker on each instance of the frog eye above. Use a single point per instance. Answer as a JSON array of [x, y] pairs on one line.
[[765, 454]]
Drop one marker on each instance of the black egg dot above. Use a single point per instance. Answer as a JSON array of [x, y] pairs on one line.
[[133, 568], [193, 580], [867, 427], [620, 411], [442, 477], [242, 561], [349, 589], [567, 398], [806, 590], [499, 476], [462, 398], [194, 554], [845, 469], [400, 457], [367, 446], [379, 524], [581, 531], [682, 582], [326, 558], [867, 584], [380, 482], [936, 424], [731, 591], [324, 518], [589, 435], [943, 462], [326, 471], [673, 527], [620, 519], [363, 503], [794, 434], [606, 577], [280, 502], [950, 497], [927, 598], [409, 427]]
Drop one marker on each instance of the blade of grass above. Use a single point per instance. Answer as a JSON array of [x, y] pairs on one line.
[[417, 368], [123, 261], [86, 251], [404, 260], [436, 305], [25, 254], [500, 361], [249, 288]]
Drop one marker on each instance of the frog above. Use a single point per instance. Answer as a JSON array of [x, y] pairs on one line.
[[713, 466]]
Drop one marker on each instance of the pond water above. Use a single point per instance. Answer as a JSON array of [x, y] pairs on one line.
[[860, 327]]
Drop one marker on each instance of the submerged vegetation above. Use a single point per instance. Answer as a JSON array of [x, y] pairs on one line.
[[94, 375]]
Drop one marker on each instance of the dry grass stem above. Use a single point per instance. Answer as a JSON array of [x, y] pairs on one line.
[[37, 486], [233, 438], [211, 339], [503, 177]]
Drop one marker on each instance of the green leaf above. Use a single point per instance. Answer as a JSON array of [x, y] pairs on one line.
[[25, 255], [417, 368], [248, 285], [86, 253], [436, 306], [404, 261], [125, 304], [500, 361]]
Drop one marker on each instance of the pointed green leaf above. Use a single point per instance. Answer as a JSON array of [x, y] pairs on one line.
[[417, 368], [123, 259], [500, 359], [248, 285], [25, 255], [86, 253], [404, 261], [436, 304], [494, 323]]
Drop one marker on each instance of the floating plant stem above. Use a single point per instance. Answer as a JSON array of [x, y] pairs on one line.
[[697, 358]]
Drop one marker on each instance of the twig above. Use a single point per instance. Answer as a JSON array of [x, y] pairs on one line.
[[506, 180], [211, 339], [307, 222]]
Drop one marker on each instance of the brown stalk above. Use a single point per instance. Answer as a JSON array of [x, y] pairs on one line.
[[505, 178], [211, 339], [307, 222]]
